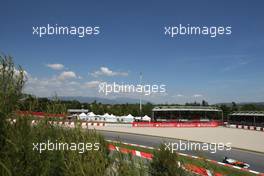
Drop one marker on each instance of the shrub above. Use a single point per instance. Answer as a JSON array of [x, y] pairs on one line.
[[165, 163]]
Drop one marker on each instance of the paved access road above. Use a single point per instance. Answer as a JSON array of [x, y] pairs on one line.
[[256, 160]]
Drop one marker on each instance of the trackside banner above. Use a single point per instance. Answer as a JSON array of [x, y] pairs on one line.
[[175, 124]]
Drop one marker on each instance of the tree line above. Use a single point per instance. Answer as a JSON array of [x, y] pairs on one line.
[[13, 79], [55, 105]]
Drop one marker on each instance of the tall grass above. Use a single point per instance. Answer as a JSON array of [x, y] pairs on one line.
[[19, 158]]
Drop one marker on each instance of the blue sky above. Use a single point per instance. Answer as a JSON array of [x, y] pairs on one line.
[[132, 40]]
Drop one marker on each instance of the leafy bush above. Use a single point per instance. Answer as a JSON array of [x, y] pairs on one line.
[[165, 163], [12, 81], [127, 165]]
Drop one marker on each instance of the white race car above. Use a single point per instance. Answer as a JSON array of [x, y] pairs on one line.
[[236, 163]]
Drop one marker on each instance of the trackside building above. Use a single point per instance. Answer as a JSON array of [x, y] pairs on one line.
[[250, 118], [187, 114]]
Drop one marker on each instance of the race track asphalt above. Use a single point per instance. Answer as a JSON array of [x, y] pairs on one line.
[[256, 160]]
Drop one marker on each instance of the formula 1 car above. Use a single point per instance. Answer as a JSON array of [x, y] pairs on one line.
[[236, 163]]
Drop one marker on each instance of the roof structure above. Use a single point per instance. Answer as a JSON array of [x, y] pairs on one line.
[[187, 108], [247, 113], [77, 110]]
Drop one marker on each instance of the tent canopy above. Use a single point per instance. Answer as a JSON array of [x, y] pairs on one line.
[[106, 115], [146, 118], [82, 116], [91, 114], [129, 116]]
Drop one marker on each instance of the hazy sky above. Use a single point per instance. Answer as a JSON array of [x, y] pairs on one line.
[[132, 40]]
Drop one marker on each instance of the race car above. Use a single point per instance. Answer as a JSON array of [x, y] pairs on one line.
[[236, 163]]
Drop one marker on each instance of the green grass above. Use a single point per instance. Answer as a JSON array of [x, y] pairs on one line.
[[198, 162], [17, 156]]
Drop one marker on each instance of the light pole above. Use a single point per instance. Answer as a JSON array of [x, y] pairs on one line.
[[140, 100]]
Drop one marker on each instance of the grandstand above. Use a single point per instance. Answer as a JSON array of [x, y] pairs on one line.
[[252, 118], [187, 113]]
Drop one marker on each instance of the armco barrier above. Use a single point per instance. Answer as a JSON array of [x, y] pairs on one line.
[[71, 124], [136, 124], [175, 124], [39, 114], [96, 124], [128, 125]]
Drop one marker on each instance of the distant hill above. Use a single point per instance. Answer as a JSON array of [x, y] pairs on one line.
[[120, 100]]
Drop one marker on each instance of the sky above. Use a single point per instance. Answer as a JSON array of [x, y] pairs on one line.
[[132, 40]]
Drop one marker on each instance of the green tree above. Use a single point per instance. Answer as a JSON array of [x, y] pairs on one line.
[[249, 107], [55, 106], [226, 110], [147, 109], [234, 106], [205, 103]]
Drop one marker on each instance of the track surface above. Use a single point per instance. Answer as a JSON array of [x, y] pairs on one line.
[[256, 160]]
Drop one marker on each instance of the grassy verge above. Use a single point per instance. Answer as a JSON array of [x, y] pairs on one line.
[[198, 162]]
